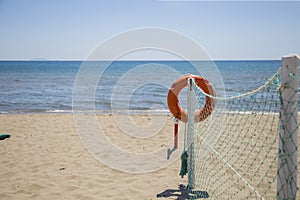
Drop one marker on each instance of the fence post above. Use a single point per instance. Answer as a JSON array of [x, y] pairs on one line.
[[190, 133], [288, 144]]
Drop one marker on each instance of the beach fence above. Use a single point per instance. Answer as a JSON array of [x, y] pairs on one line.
[[244, 146]]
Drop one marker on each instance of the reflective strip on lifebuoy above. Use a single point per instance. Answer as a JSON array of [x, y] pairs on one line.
[[173, 102]]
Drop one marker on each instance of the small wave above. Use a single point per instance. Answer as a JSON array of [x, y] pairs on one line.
[[59, 111], [142, 112], [252, 113]]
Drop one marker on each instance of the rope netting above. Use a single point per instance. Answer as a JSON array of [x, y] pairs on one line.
[[234, 154]]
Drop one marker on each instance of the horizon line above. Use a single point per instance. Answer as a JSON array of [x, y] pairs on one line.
[[129, 60]]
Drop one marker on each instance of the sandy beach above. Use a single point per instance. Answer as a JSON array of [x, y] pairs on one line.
[[45, 159], [89, 91]]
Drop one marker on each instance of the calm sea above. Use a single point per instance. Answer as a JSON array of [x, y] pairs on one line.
[[48, 86]]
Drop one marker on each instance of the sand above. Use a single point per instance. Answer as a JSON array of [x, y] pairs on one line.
[[46, 158]]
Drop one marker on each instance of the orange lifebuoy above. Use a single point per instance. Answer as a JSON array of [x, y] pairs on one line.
[[174, 91]]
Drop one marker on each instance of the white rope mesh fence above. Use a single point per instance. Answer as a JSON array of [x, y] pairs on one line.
[[234, 153]]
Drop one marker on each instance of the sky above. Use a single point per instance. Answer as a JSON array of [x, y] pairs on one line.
[[71, 29]]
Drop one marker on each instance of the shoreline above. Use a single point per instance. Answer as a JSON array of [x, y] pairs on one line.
[[125, 112]]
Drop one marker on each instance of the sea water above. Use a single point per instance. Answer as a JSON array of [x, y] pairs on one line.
[[137, 86]]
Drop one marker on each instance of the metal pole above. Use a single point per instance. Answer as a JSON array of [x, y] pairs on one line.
[[175, 133], [190, 133]]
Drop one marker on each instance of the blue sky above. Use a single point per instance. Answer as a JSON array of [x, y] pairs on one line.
[[71, 29]]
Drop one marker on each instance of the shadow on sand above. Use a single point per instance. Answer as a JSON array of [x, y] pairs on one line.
[[169, 152], [182, 193]]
